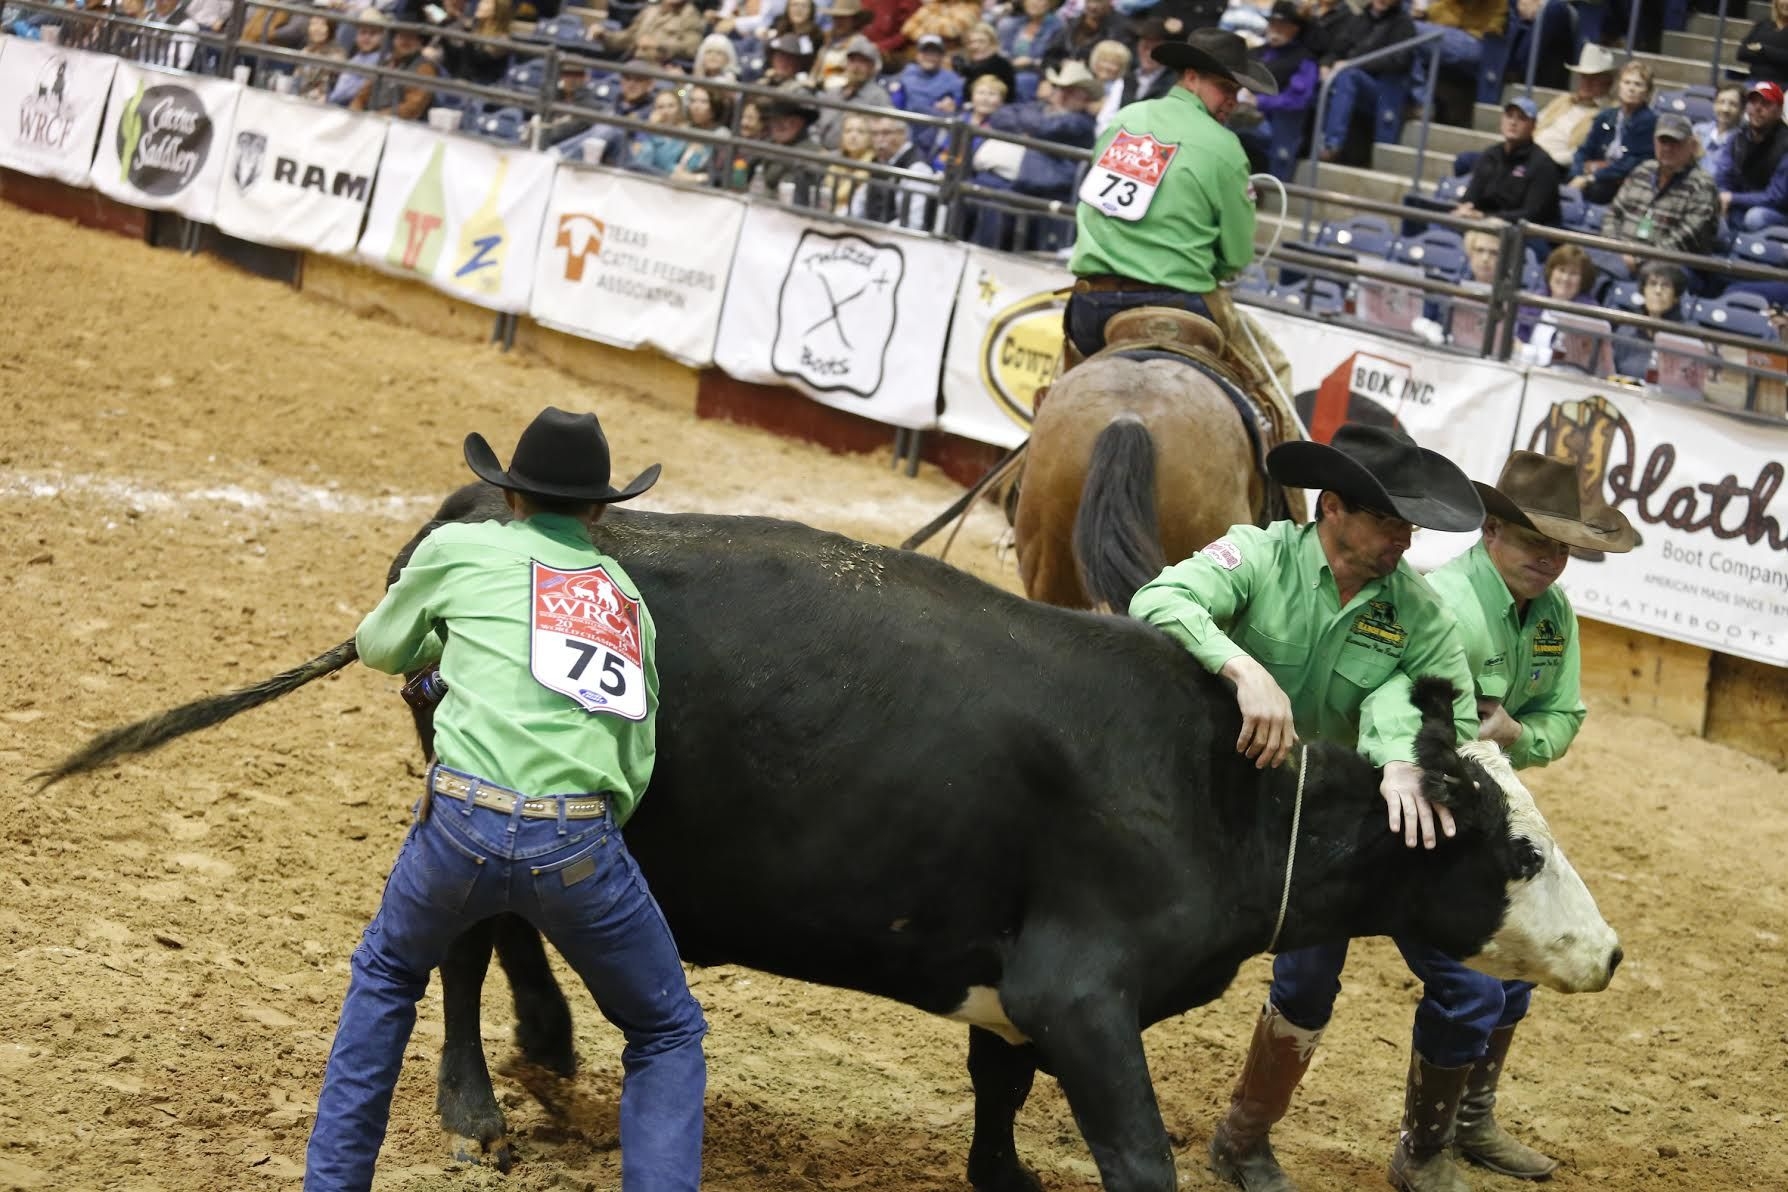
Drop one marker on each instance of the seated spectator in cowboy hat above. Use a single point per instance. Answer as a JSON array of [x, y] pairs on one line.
[[1565, 122], [790, 122], [791, 55]]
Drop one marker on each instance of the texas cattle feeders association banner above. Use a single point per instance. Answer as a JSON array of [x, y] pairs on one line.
[[165, 140], [630, 262], [1465, 409], [463, 215], [856, 319], [52, 102], [1704, 491], [299, 174], [1005, 344]]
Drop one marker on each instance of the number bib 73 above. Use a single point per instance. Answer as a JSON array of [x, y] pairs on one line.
[[586, 641], [1123, 181]]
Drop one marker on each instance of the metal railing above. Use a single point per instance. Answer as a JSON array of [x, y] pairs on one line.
[[1431, 39]]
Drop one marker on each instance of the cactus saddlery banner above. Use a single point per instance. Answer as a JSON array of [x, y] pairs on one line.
[[461, 214], [164, 140]]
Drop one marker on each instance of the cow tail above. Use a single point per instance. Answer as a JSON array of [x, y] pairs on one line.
[[1117, 534], [163, 727]]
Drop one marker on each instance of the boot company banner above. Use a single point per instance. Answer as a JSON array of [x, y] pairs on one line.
[[299, 174], [461, 214], [1701, 488], [164, 140], [630, 262], [855, 318], [52, 102], [1005, 343], [1465, 409]]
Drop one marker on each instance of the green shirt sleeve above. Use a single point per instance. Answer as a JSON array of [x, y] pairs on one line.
[[1235, 223], [1195, 601], [403, 633], [1388, 721], [1550, 723]]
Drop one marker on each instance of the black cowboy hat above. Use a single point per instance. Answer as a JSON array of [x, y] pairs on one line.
[[1545, 495], [1218, 52], [560, 455], [1383, 470], [1286, 10]]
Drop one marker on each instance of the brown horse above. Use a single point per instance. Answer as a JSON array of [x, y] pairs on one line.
[[1135, 460]]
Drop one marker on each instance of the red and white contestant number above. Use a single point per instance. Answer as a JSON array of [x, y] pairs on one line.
[[1123, 182], [586, 641]]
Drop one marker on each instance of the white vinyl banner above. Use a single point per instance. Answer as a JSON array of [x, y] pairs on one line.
[[165, 140], [854, 318], [1465, 409], [299, 174], [52, 102], [1701, 487], [630, 262], [1005, 344], [464, 215]]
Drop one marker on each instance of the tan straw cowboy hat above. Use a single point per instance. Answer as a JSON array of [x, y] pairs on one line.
[[1546, 495]]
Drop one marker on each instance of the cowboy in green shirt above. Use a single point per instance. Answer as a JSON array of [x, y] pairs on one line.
[[1521, 639], [1322, 629], [1166, 210], [543, 746]]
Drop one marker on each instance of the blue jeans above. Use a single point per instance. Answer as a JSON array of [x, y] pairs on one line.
[[1086, 314], [1351, 87], [577, 883], [1459, 50], [1760, 217], [1458, 1010]]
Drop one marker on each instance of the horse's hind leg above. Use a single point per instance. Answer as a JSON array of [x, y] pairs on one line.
[[542, 1019], [463, 1094]]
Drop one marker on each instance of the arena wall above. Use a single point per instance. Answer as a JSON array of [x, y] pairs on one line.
[[1724, 698]]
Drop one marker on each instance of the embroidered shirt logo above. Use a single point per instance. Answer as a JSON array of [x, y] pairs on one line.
[[1379, 622], [1548, 642]]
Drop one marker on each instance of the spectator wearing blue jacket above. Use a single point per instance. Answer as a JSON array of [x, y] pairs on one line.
[[1753, 177], [928, 87], [1065, 118], [1027, 38], [1620, 138]]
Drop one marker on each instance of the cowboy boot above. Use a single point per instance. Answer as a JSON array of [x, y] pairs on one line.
[[1480, 1139], [1423, 1161], [1277, 1059]]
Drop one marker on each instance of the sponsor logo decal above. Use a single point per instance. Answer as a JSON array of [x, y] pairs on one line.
[[837, 311], [251, 149], [46, 118], [164, 137]]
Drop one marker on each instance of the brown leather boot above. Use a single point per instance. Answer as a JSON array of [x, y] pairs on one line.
[[1423, 1160], [1277, 1059], [1480, 1139]]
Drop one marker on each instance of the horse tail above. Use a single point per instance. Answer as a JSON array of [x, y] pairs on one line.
[[163, 727], [1117, 534]]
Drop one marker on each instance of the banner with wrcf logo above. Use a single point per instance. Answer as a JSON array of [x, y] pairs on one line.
[[163, 142], [51, 103], [299, 174], [462, 215]]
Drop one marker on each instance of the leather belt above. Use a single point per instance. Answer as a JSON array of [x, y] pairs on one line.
[[449, 785], [1111, 282]]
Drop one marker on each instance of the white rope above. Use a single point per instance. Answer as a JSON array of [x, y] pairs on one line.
[[1266, 366], [1291, 854]]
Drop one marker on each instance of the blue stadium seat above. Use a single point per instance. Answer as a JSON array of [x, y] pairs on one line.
[[1768, 247], [1254, 282], [1594, 215], [1366, 235], [1533, 277], [1572, 208], [1317, 295], [502, 124], [1740, 314], [564, 30], [1624, 295], [525, 76], [1439, 251], [1694, 102], [1451, 189]]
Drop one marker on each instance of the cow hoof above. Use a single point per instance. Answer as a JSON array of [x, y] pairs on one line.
[[497, 1153]]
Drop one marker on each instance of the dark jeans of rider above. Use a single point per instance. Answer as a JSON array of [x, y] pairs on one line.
[[1085, 317], [1459, 1007], [575, 881]]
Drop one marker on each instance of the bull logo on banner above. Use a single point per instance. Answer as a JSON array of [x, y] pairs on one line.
[[46, 117], [837, 311], [251, 151], [164, 137]]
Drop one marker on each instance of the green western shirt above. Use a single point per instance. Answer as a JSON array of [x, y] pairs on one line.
[[1527, 662], [1199, 228], [466, 600], [1347, 670]]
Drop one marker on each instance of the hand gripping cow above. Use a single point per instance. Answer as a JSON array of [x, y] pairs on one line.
[[877, 772]]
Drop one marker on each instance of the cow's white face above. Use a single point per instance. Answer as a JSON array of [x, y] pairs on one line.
[[1552, 933]]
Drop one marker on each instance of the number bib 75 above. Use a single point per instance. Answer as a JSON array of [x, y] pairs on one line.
[[586, 641], [1123, 181]]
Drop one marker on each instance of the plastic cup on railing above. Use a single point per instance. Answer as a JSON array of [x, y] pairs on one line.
[[785, 192], [285, 84], [594, 150], [242, 73], [51, 34], [445, 119]]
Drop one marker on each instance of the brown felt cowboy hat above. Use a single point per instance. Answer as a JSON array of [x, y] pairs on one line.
[[1546, 495], [1383, 470], [560, 455], [1218, 52]]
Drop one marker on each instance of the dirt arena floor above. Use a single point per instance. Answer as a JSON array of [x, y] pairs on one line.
[[202, 478]]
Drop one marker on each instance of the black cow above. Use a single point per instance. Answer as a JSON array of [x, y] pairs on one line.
[[880, 773]]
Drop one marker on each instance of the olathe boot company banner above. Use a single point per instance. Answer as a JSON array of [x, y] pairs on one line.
[[52, 102], [299, 174], [460, 214], [165, 140]]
